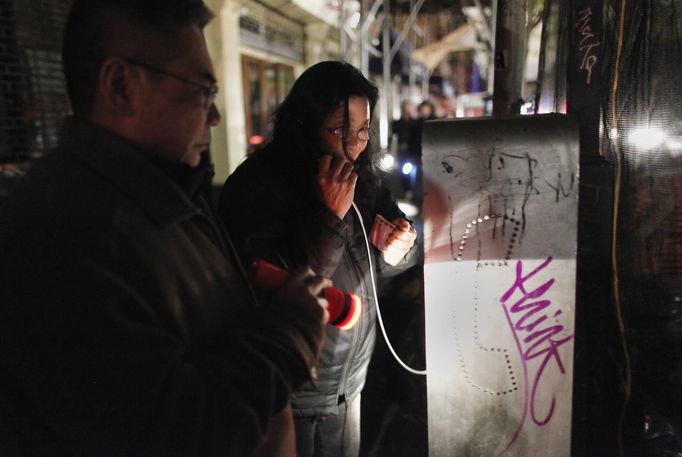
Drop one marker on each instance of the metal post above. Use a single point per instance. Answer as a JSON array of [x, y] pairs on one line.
[[386, 61], [406, 27], [510, 55], [411, 40], [404, 33], [367, 19], [364, 55], [343, 38]]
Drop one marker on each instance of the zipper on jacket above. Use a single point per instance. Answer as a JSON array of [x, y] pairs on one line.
[[356, 329]]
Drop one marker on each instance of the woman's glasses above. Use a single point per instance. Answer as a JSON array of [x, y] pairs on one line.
[[362, 134]]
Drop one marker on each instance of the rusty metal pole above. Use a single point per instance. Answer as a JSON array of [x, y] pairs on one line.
[[510, 55]]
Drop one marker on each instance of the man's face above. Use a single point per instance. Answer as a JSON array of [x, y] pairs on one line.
[[174, 118], [332, 129]]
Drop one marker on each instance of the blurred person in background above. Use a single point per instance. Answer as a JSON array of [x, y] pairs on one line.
[[426, 111], [403, 129]]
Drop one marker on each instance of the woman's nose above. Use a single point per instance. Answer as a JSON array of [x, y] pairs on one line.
[[352, 142], [352, 139]]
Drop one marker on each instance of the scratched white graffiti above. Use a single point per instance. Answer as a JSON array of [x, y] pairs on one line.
[[588, 44]]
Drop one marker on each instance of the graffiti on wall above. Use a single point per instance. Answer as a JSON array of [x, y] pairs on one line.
[[500, 204]]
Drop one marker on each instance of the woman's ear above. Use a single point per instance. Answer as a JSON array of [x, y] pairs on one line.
[[117, 86]]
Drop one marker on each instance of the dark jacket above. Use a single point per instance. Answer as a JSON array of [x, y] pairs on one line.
[[127, 327], [282, 220]]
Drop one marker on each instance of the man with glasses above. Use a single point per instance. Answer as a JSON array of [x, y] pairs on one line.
[[127, 326]]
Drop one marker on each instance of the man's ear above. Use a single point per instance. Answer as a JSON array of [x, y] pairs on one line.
[[118, 86]]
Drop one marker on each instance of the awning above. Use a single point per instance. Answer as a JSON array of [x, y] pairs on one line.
[[463, 38]]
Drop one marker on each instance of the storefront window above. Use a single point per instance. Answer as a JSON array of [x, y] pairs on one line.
[[265, 86]]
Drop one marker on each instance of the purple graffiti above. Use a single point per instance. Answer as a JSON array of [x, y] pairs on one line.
[[527, 318]]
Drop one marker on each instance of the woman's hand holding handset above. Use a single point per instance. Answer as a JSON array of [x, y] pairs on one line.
[[336, 180]]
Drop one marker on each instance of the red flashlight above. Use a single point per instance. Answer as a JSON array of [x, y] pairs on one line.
[[344, 307]]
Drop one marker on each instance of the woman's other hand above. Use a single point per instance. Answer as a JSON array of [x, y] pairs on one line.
[[399, 241]]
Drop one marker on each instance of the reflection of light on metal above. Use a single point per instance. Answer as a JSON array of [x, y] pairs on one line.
[[386, 162], [647, 138], [407, 168], [527, 108], [409, 209], [383, 129], [675, 145], [354, 19]]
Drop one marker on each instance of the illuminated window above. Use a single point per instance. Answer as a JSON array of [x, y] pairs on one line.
[[265, 86]]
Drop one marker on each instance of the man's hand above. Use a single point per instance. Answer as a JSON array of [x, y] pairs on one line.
[[301, 295], [336, 184], [399, 241]]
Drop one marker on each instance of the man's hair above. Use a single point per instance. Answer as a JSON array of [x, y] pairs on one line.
[[89, 37]]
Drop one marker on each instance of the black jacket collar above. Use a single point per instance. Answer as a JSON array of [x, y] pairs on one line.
[[127, 167]]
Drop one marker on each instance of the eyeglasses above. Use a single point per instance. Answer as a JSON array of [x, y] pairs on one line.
[[362, 134], [208, 93]]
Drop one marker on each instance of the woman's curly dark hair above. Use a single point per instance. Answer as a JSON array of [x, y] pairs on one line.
[[298, 121]]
